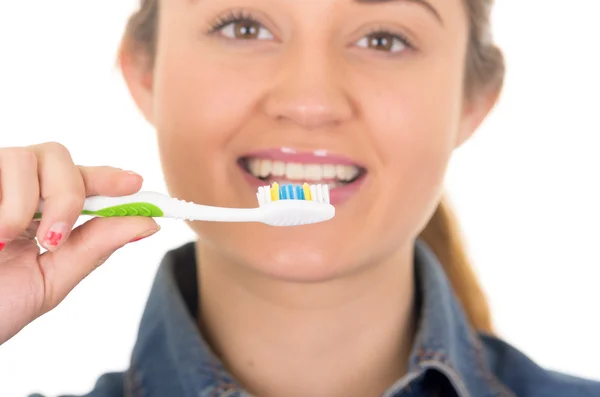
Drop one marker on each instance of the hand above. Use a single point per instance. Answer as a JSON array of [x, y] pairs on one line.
[[33, 283]]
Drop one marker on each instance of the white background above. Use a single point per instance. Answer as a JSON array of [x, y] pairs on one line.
[[526, 187]]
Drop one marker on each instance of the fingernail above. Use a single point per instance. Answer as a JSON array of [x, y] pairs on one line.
[[2, 246], [145, 235], [132, 173], [55, 235]]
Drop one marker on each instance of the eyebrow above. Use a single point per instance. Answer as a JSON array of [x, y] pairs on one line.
[[423, 3]]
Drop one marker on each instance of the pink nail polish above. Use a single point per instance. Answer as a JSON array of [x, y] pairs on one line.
[[2, 246], [55, 235], [145, 235]]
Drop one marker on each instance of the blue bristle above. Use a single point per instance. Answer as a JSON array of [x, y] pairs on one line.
[[299, 192], [291, 192]]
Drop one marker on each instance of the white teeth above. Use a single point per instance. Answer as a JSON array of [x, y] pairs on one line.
[[346, 172], [294, 171], [351, 172], [254, 167], [340, 172], [278, 168], [329, 171], [313, 172], [333, 185], [264, 168]]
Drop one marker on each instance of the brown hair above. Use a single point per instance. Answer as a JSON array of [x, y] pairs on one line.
[[484, 70]]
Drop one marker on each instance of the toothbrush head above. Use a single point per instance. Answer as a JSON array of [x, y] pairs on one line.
[[294, 205]]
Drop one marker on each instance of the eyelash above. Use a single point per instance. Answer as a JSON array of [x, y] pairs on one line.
[[243, 16], [232, 17]]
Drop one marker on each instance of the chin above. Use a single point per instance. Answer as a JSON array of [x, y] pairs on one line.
[[301, 264], [303, 254]]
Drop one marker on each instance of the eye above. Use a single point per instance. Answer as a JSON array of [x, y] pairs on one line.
[[246, 30], [241, 27], [384, 41]]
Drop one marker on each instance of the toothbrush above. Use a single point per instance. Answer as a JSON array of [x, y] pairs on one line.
[[278, 205]]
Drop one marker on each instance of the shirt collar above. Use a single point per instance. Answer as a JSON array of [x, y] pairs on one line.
[[445, 343], [171, 356]]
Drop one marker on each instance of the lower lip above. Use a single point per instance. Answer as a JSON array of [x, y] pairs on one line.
[[337, 195]]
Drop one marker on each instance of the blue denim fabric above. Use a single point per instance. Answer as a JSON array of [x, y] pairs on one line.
[[171, 359]]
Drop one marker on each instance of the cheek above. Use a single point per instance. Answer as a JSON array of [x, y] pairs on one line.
[[194, 99], [413, 119], [415, 110], [200, 104], [417, 137]]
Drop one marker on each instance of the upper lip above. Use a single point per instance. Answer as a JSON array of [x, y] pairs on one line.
[[291, 155]]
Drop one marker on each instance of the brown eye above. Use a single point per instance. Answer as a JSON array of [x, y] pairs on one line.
[[383, 41], [244, 29]]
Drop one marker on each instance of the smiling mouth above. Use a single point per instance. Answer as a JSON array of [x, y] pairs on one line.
[[333, 175]]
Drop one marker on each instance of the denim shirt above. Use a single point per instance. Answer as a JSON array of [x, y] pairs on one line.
[[449, 359]]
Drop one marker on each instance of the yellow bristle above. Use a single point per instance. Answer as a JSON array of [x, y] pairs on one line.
[[275, 192], [307, 195]]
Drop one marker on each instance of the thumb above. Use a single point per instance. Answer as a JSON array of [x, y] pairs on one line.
[[87, 247]]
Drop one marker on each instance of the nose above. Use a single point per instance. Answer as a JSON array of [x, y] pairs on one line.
[[308, 91]]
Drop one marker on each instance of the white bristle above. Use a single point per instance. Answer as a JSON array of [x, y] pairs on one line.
[[261, 196], [313, 192], [322, 194], [266, 194]]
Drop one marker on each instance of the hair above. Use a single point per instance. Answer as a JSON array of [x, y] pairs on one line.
[[484, 71]]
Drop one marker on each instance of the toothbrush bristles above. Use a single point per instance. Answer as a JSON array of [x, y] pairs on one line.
[[305, 192]]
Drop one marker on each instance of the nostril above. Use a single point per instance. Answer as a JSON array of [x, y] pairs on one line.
[[310, 118], [310, 107]]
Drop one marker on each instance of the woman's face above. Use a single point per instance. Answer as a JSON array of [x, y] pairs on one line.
[[365, 95]]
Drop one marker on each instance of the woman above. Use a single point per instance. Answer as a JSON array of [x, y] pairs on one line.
[[372, 96]]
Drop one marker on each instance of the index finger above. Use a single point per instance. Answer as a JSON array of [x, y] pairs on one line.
[[109, 181]]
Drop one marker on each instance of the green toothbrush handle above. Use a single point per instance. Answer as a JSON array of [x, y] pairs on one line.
[[115, 207]]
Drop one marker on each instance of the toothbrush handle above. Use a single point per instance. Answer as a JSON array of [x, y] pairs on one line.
[[139, 204], [152, 204]]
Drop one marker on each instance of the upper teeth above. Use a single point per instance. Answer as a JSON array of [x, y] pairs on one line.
[[263, 168]]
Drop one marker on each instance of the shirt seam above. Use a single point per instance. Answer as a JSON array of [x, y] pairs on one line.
[[493, 381], [133, 383], [438, 359]]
